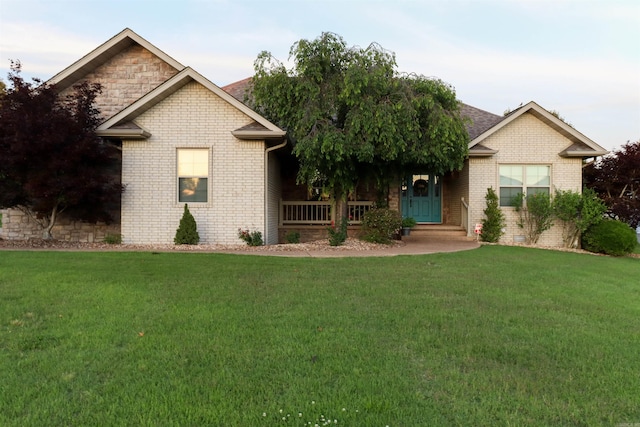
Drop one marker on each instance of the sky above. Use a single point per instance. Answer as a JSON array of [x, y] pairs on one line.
[[580, 58]]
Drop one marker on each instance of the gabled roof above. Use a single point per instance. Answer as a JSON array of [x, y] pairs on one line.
[[263, 129], [480, 120], [100, 55], [238, 89], [580, 146], [484, 124]]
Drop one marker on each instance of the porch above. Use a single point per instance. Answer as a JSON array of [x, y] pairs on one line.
[[311, 219]]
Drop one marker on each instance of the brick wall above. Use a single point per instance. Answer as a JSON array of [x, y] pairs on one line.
[[527, 140], [193, 117]]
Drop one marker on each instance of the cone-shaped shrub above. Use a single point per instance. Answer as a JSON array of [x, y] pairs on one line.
[[187, 233], [494, 220]]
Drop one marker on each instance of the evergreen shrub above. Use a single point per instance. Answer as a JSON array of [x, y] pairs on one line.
[[187, 233], [494, 220]]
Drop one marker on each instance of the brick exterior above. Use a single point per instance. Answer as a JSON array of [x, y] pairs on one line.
[[193, 117], [238, 197], [526, 140]]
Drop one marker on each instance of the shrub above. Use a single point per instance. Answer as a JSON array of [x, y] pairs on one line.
[[337, 235], [610, 237], [292, 237], [380, 224], [577, 212], [187, 233], [535, 216], [113, 239], [251, 238], [494, 220]]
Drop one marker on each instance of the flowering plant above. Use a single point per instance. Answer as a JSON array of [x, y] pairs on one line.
[[251, 238]]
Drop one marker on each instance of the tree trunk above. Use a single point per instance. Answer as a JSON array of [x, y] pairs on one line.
[[341, 209], [46, 233]]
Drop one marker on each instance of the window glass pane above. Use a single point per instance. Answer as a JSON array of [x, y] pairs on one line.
[[538, 175], [535, 190], [193, 162], [192, 189], [507, 195], [511, 175]]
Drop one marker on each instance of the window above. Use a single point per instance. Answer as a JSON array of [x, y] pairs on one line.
[[193, 172], [526, 179]]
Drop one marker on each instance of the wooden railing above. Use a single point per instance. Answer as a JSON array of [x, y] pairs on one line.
[[464, 223], [319, 213]]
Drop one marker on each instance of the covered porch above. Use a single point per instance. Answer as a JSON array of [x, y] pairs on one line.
[[442, 203]]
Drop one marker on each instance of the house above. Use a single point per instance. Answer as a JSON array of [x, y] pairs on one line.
[[185, 140]]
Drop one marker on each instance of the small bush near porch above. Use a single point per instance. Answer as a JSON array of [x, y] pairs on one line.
[[494, 336]]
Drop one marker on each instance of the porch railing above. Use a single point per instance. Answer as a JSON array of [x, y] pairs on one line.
[[465, 216], [294, 212]]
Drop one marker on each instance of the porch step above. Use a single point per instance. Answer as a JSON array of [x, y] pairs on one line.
[[438, 232]]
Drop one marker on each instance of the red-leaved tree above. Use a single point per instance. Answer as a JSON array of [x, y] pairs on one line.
[[52, 160], [616, 179]]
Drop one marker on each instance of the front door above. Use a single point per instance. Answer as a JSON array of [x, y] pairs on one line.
[[421, 198]]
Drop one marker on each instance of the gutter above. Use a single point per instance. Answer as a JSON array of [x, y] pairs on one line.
[[266, 187]]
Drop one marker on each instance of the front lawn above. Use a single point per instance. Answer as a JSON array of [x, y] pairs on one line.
[[493, 336]]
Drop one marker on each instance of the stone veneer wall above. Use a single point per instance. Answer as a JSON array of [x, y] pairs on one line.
[[126, 77], [16, 225], [527, 140]]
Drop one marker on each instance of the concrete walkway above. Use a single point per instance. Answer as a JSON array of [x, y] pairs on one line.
[[411, 246]]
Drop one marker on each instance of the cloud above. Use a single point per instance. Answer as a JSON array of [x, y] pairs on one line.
[[42, 49]]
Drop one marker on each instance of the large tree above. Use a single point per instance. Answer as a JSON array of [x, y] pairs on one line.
[[52, 160], [616, 179], [350, 114]]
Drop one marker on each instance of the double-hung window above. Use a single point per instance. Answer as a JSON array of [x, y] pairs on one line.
[[193, 173], [525, 179]]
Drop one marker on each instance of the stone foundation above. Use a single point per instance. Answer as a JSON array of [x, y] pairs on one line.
[[16, 225]]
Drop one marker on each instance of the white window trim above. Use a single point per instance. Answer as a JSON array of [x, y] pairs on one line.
[[178, 177]]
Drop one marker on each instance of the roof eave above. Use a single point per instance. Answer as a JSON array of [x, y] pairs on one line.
[[174, 84], [582, 153], [124, 133], [252, 135], [482, 153], [102, 53]]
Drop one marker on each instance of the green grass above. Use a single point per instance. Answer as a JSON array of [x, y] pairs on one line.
[[496, 336]]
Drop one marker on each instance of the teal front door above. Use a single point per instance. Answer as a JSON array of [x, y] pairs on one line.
[[422, 198]]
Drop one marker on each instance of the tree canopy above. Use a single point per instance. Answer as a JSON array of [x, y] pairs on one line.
[[52, 160], [616, 179], [349, 113]]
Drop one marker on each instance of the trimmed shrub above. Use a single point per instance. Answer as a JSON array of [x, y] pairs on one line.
[[610, 237], [380, 224], [187, 233], [494, 220]]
